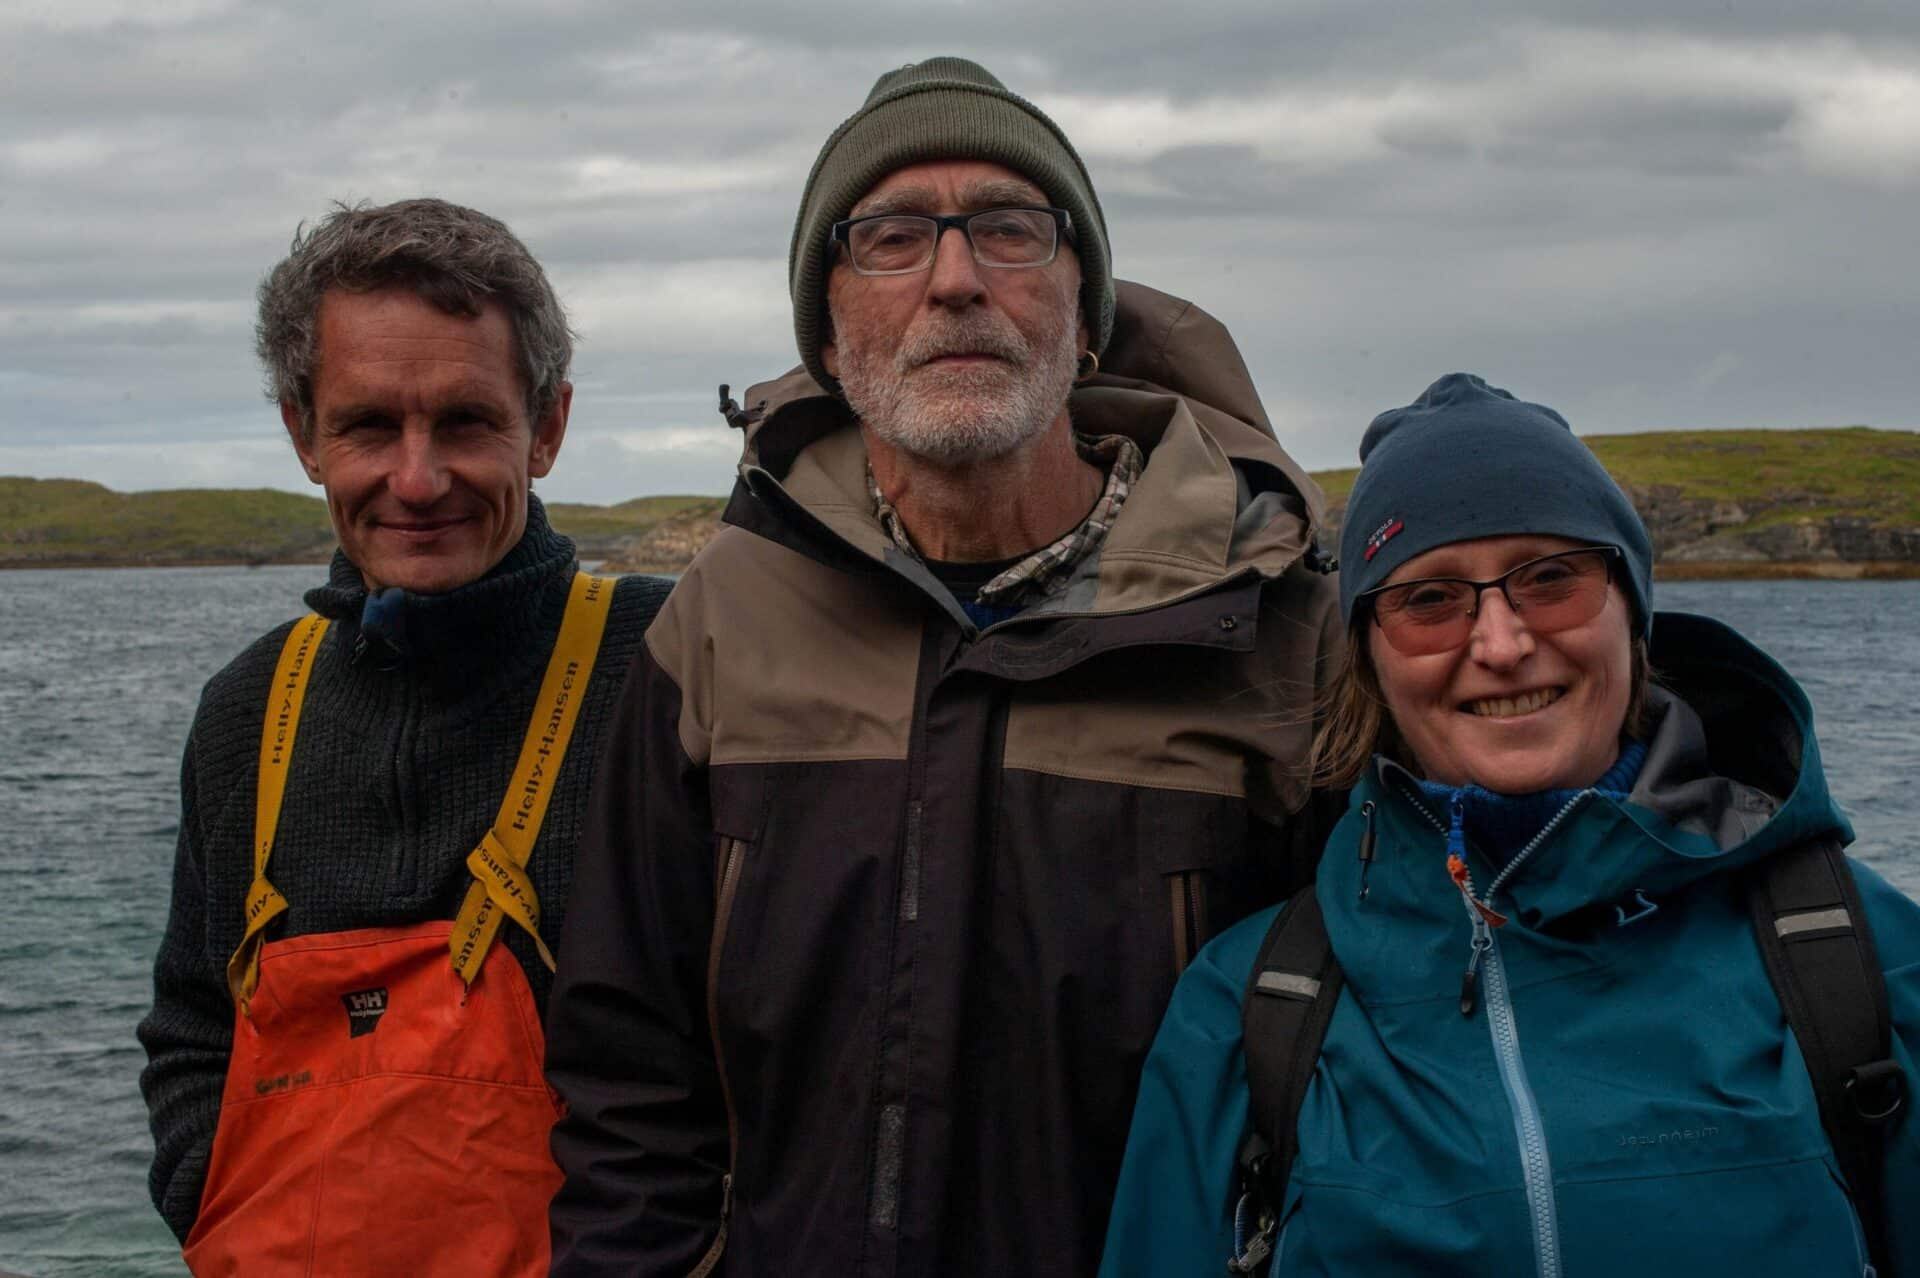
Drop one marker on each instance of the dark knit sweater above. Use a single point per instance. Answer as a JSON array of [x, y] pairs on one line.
[[400, 764]]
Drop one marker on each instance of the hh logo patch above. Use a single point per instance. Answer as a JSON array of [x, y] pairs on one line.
[[1381, 536], [364, 1010]]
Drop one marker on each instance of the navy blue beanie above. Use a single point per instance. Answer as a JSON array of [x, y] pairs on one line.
[[1468, 460]]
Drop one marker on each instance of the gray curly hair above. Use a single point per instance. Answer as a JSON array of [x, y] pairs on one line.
[[454, 257]]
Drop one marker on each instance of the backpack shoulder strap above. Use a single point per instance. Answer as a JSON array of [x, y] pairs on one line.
[[1813, 935], [1283, 1020]]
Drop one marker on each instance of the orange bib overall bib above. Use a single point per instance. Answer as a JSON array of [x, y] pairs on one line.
[[384, 1111]]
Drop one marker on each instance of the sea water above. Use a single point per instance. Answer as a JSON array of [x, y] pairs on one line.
[[99, 672]]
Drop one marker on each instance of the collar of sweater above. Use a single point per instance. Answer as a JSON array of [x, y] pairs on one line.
[[1501, 824], [456, 634]]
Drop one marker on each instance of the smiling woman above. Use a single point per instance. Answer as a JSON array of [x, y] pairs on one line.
[[1464, 608], [1519, 700], [1527, 811]]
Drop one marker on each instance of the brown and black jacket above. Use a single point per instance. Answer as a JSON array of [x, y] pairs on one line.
[[878, 913]]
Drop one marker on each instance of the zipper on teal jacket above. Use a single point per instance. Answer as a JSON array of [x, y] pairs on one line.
[[1529, 1130]]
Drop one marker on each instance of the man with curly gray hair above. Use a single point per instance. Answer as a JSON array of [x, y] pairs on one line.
[[380, 801], [457, 258]]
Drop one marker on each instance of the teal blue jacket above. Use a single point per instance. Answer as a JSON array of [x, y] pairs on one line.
[[1649, 1081]]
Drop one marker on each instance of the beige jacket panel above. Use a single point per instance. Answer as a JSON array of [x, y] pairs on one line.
[[1133, 725], [781, 659]]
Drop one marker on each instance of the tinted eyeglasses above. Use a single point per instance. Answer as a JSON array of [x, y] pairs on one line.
[[1553, 592], [902, 243]]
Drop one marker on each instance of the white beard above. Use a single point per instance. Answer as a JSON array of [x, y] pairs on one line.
[[954, 416]]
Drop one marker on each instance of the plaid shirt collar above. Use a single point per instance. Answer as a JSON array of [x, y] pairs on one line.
[[1045, 571]]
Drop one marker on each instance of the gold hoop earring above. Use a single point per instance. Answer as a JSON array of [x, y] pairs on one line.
[[1088, 365]]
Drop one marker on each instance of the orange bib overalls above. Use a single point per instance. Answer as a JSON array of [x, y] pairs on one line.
[[385, 1112]]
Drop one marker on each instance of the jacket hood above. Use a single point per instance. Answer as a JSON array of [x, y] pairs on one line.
[[1218, 498], [1732, 776]]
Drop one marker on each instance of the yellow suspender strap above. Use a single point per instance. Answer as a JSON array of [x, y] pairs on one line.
[[264, 902], [502, 886]]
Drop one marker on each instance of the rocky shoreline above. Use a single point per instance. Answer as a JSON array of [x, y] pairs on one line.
[[1787, 570], [649, 560], [1688, 546], [65, 565], [1685, 549], [1827, 504], [1788, 537]]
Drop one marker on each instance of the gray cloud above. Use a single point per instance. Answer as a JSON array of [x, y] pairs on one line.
[[1647, 218]]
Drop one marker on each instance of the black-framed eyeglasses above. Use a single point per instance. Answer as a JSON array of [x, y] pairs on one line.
[[1008, 239], [1553, 592]]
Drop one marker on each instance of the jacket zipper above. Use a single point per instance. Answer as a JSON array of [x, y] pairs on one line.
[[1482, 934], [1529, 1130], [1189, 917], [1860, 1256], [732, 854]]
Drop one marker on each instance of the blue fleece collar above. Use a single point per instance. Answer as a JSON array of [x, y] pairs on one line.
[[1502, 824]]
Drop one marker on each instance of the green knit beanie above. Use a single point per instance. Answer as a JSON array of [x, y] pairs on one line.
[[941, 109]]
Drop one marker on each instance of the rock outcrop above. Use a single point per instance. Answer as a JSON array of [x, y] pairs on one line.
[[670, 545]]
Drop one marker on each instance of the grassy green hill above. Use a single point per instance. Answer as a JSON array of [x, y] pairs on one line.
[[1848, 470], [1737, 502], [593, 525], [1851, 471], [73, 522]]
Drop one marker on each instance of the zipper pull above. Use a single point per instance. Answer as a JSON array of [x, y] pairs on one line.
[[1469, 984], [1482, 914], [1366, 847], [1250, 1253]]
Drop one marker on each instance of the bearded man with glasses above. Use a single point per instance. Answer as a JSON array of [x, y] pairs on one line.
[[985, 711]]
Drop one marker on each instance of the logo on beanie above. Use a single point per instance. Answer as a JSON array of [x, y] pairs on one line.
[[1382, 535]]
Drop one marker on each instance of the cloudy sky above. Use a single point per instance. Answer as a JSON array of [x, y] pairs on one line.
[[1649, 215]]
